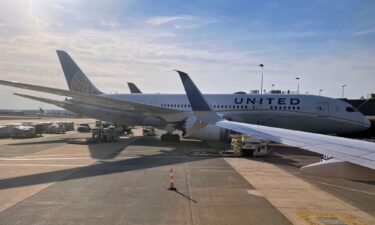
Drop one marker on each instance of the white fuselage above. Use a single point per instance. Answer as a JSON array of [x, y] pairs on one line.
[[298, 112]]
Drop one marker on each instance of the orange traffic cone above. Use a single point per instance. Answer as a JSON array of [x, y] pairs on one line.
[[171, 179]]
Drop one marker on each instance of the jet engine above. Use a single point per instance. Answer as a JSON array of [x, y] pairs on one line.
[[208, 132]]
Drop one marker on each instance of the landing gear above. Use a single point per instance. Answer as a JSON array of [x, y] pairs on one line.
[[169, 137]]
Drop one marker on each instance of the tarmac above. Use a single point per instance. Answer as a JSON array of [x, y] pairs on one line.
[[48, 181]]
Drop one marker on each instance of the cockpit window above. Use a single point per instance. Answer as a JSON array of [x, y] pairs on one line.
[[351, 109]]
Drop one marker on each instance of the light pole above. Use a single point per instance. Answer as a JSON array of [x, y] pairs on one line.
[[297, 78], [320, 91], [261, 83], [273, 87], [343, 89]]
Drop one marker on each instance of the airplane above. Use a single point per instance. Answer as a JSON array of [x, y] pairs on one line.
[[172, 112], [352, 159], [41, 112], [133, 88]]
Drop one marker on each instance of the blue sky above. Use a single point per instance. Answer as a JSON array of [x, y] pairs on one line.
[[219, 43]]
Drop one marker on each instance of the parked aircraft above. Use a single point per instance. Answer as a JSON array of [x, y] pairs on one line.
[[172, 112], [352, 159]]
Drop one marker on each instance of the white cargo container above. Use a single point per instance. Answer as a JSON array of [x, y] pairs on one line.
[[23, 131], [69, 125], [55, 129], [6, 131]]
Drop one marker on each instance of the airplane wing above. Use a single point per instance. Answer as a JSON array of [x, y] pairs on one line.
[[112, 102], [45, 100], [353, 151]]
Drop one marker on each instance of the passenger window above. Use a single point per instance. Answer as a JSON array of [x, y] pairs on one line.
[[297, 107]]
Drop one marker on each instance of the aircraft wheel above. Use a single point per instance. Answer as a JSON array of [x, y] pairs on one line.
[[163, 137], [248, 152], [176, 137], [170, 137]]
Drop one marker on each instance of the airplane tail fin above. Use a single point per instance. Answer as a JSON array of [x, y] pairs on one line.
[[76, 79], [134, 89], [42, 111]]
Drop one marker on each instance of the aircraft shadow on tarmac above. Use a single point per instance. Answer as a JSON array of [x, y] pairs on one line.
[[102, 153], [173, 155], [62, 140], [169, 154], [282, 157]]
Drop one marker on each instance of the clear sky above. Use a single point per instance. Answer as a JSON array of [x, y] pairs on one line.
[[220, 43]]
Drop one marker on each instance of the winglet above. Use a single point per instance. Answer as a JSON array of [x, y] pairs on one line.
[[199, 105], [196, 99]]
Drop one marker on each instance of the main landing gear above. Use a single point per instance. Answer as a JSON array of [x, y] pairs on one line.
[[169, 137]]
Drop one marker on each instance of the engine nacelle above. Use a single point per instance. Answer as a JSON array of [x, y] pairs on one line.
[[207, 133]]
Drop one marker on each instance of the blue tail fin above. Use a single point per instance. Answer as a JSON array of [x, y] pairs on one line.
[[42, 111], [76, 79], [134, 89]]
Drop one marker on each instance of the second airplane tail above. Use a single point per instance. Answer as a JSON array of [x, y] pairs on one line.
[[133, 88], [76, 79]]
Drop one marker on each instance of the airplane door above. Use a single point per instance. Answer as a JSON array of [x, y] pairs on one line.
[[323, 109]]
